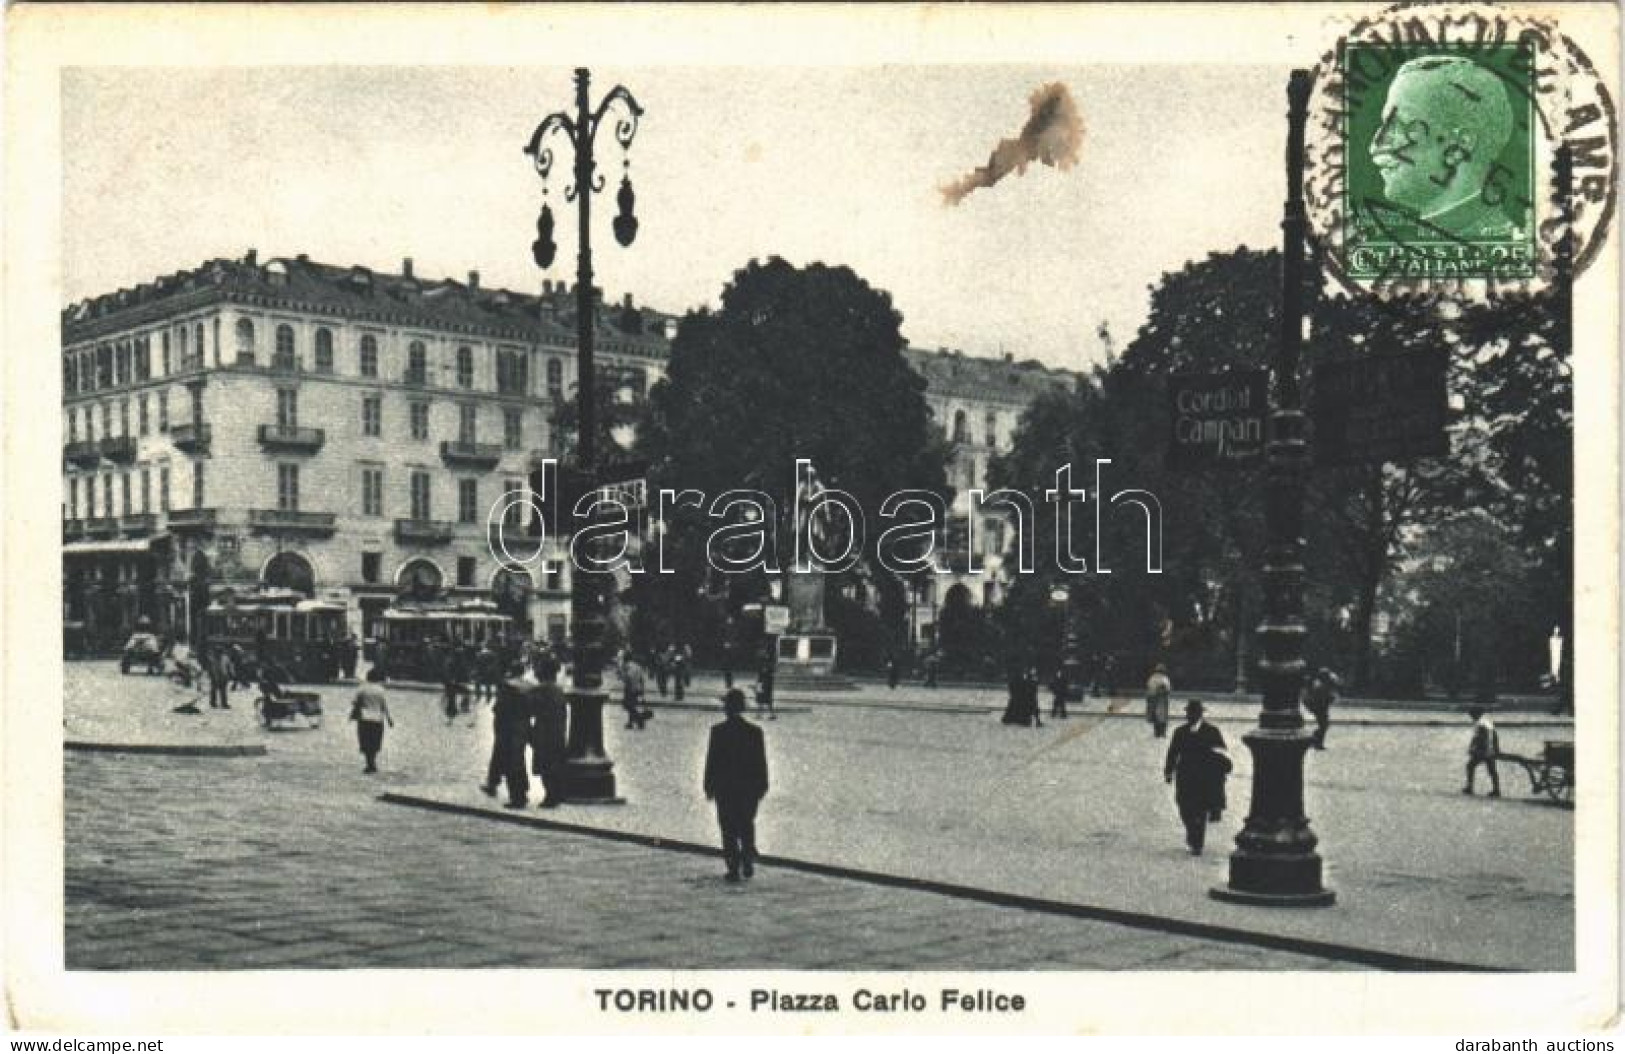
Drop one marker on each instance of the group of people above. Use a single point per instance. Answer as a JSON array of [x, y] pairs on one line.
[[929, 663], [528, 715], [224, 667], [672, 667], [469, 674]]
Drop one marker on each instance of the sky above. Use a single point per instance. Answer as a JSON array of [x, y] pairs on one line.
[[167, 167]]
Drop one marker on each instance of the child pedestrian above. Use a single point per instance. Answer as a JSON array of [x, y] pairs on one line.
[[1483, 749], [1157, 690], [370, 712], [764, 689], [1318, 698]]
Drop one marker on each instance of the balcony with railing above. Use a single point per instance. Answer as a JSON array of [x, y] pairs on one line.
[[138, 523], [475, 455], [181, 520], [292, 521], [191, 438], [292, 438], [73, 530], [117, 448], [101, 526], [82, 451], [423, 532]]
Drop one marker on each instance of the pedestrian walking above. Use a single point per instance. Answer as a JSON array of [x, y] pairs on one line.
[[218, 667], [632, 689], [241, 669], [370, 712], [1483, 749], [764, 689], [736, 779], [549, 722], [349, 651], [1013, 696], [1197, 765], [931, 668], [1021, 706], [891, 671], [1318, 697], [465, 678], [487, 673], [447, 657], [679, 672], [1058, 692], [659, 666], [510, 734], [1157, 690]]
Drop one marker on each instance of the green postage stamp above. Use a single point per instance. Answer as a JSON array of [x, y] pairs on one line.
[[1439, 143]]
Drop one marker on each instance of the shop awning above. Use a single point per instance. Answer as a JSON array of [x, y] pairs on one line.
[[116, 545]]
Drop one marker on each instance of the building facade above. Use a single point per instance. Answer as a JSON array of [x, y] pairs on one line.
[[344, 433], [978, 402], [332, 430]]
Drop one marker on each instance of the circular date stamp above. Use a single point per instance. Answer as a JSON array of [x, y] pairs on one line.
[[1430, 153]]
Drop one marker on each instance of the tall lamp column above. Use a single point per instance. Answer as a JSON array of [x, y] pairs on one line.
[[589, 774], [1275, 862]]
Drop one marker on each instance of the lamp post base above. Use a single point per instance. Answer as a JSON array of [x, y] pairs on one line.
[[588, 777], [1321, 899], [1275, 863]]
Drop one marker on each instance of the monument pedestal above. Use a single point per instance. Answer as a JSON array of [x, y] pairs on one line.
[[805, 661]]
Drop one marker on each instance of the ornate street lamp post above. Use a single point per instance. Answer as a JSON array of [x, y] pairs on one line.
[[1275, 862], [588, 772]]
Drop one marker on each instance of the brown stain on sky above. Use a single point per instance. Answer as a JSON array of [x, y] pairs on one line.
[[1052, 135]]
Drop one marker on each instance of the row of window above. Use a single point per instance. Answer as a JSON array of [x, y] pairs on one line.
[[117, 491], [372, 421], [420, 494], [144, 406], [372, 568], [287, 417], [961, 429], [83, 493], [128, 361]]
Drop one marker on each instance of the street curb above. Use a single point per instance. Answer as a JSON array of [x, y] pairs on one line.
[[1341, 722], [1372, 957], [715, 707], [180, 750]]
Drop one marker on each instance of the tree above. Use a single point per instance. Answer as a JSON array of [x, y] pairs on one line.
[[1511, 454], [616, 420], [798, 362]]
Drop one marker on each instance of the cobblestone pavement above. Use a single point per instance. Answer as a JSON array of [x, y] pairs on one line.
[[246, 863], [1074, 812]]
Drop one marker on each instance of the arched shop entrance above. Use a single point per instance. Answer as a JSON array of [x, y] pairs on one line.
[[510, 589], [419, 579], [290, 571]]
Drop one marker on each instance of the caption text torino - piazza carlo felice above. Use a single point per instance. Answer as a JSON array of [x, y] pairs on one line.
[[772, 1000]]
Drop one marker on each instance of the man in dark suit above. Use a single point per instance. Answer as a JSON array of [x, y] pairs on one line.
[[1197, 764], [510, 733], [549, 725], [736, 779]]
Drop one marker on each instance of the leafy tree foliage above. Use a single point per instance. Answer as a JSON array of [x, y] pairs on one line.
[[798, 362], [1511, 456]]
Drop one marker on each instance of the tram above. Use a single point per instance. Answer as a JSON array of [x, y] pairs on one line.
[[413, 637], [304, 637]]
